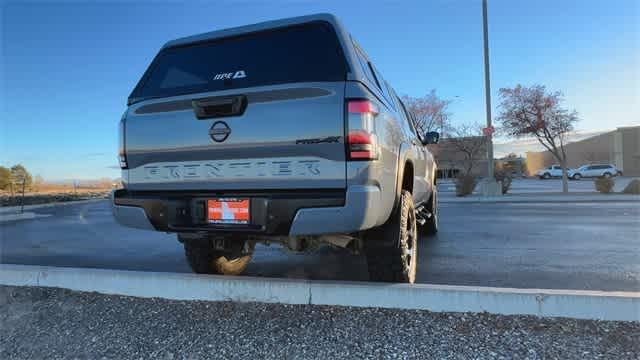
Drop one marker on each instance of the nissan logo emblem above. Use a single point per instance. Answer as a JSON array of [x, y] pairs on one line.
[[219, 131]]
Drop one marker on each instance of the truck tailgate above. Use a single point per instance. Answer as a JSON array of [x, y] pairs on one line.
[[289, 137]]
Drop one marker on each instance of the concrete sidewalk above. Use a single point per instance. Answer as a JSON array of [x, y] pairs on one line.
[[541, 198]]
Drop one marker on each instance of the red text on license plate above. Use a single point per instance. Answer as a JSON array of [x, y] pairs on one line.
[[228, 211]]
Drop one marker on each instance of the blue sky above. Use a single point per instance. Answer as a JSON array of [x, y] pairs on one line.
[[67, 67]]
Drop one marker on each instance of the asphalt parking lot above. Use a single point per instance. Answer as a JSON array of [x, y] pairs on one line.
[[548, 245]]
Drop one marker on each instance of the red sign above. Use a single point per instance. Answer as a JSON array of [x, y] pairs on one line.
[[488, 131]]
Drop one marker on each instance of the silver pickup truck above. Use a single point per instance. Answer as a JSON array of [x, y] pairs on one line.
[[278, 132]]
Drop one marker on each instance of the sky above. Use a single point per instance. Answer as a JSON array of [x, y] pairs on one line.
[[67, 68]]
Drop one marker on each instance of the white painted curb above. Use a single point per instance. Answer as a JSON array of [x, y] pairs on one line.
[[439, 298], [20, 216], [15, 209]]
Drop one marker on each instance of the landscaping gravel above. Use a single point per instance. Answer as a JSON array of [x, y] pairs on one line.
[[55, 323]]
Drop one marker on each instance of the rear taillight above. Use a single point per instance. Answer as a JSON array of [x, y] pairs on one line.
[[361, 145], [361, 142], [122, 156], [362, 107]]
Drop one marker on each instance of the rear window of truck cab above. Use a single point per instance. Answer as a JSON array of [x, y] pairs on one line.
[[300, 53]]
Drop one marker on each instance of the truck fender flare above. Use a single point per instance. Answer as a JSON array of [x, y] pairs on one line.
[[403, 157]]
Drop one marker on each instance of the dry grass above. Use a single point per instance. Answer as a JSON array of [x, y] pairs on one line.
[[50, 193], [633, 187], [52, 188], [465, 184], [52, 197], [604, 185], [47, 188]]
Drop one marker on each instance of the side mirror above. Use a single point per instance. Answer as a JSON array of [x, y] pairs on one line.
[[432, 137]]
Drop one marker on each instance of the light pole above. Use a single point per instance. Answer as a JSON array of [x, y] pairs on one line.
[[488, 187], [487, 91]]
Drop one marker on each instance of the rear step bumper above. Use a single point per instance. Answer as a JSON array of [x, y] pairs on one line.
[[272, 213]]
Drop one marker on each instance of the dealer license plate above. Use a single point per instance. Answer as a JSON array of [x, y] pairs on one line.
[[228, 211]]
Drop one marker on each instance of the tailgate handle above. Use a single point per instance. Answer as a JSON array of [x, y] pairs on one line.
[[220, 106]]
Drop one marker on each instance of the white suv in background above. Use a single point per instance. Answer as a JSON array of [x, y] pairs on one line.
[[554, 171], [596, 170]]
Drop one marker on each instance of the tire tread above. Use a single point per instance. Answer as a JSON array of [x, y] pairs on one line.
[[385, 258]]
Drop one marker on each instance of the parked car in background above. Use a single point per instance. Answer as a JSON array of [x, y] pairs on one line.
[[553, 171], [596, 170]]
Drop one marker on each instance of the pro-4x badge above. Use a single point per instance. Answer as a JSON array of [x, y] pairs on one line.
[[231, 75]]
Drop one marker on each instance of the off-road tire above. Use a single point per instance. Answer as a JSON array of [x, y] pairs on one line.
[[386, 247], [430, 227], [203, 259]]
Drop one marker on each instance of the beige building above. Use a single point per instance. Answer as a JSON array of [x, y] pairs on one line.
[[451, 160], [620, 147]]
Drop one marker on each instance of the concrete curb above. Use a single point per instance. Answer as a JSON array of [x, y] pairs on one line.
[[439, 298], [531, 198], [8, 209], [4, 217]]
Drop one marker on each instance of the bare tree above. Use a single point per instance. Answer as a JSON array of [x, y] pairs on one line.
[[20, 177], [5, 178], [534, 112], [467, 140], [431, 112]]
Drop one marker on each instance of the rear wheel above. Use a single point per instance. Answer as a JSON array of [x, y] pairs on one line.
[[203, 258], [606, 175], [392, 250]]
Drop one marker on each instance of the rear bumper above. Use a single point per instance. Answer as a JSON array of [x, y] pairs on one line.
[[360, 212], [272, 213]]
